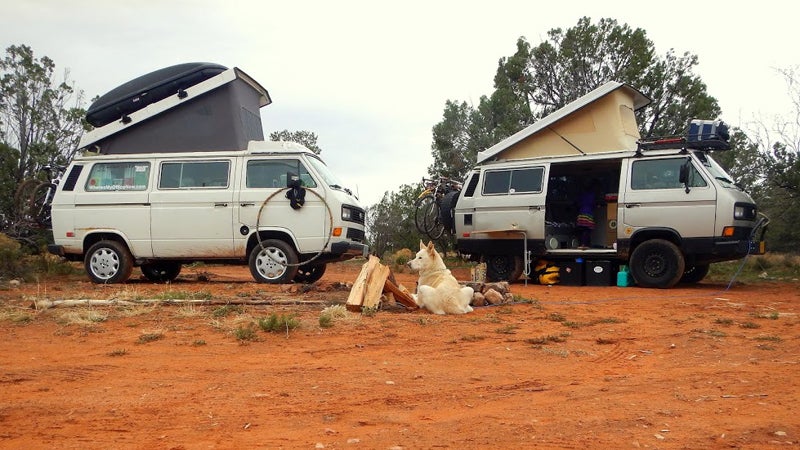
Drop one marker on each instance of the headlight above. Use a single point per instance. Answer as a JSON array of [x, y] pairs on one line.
[[744, 211], [347, 213]]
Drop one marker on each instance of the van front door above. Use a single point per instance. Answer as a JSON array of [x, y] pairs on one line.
[[192, 210], [260, 203], [655, 198]]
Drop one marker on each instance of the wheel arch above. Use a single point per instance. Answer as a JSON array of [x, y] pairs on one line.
[[647, 234], [93, 238], [263, 235]]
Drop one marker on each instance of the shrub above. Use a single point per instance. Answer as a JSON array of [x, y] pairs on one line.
[[13, 261], [277, 323], [403, 256]]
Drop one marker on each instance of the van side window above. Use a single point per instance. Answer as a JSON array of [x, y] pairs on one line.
[[513, 181], [472, 184], [194, 174], [271, 173], [663, 174], [118, 176]]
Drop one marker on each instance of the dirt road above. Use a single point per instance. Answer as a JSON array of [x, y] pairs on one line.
[[571, 367]]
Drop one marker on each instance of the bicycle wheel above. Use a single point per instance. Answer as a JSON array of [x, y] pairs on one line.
[[422, 207], [40, 204], [433, 223], [23, 196]]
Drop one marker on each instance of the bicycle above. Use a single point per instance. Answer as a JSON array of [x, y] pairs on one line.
[[429, 213], [34, 197]]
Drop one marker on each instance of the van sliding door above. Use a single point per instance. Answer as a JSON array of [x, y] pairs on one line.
[[512, 199], [192, 210]]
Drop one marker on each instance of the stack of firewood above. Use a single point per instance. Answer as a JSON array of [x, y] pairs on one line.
[[374, 282]]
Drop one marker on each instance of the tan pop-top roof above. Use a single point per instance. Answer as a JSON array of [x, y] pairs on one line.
[[602, 120]]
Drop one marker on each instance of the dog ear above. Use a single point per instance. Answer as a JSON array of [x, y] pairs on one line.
[[421, 245], [431, 249]]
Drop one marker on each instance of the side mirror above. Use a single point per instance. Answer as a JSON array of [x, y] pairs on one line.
[[293, 180]]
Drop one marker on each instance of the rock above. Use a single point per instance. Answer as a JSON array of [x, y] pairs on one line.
[[14, 283], [478, 299], [493, 297], [501, 287]]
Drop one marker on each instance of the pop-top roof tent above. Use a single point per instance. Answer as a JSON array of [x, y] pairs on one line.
[[602, 120], [187, 107]]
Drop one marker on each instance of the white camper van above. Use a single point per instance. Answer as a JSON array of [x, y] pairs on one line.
[[189, 178], [664, 208]]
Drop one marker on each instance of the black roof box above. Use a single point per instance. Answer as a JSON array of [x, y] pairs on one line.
[[146, 89]]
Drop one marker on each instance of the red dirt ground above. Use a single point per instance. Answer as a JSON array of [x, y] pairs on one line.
[[578, 367]]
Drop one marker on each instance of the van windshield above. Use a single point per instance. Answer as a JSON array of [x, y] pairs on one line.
[[327, 176], [716, 170]]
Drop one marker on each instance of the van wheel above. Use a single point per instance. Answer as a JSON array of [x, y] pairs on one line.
[[657, 263], [309, 274], [695, 274], [108, 262], [503, 268], [272, 262], [161, 272]]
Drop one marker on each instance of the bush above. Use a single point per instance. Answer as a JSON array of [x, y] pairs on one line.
[[278, 323], [402, 256], [13, 261]]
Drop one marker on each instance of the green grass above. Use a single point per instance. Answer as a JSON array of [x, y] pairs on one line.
[[183, 295], [245, 333], [226, 310], [276, 323], [758, 268]]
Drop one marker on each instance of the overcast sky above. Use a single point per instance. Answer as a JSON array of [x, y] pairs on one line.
[[371, 78]]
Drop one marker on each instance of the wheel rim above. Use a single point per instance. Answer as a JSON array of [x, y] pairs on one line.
[[104, 263], [271, 263], [655, 265]]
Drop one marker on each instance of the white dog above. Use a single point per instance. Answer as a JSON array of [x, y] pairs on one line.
[[438, 290]]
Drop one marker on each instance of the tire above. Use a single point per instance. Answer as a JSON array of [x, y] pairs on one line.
[[695, 274], [309, 274], [162, 271], [426, 217], [40, 205], [108, 262], [267, 262], [420, 210], [657, 263], [448, 206], [504, 268], [23, 197]]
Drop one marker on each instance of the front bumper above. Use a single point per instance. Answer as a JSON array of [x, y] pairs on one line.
[[349, 249]]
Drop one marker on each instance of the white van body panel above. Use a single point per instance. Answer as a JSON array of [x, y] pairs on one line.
[[204, 222]]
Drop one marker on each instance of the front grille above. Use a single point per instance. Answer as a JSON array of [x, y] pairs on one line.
[[355, 234]]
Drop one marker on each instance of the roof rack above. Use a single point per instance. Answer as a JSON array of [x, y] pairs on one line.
[[702, 135], [681, 142]]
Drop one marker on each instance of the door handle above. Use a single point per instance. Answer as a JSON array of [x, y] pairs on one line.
[[247, 204], [220, 205], [633, 205]]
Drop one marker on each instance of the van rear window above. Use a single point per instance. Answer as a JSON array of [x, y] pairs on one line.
[[118, 176], [513, 181]]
